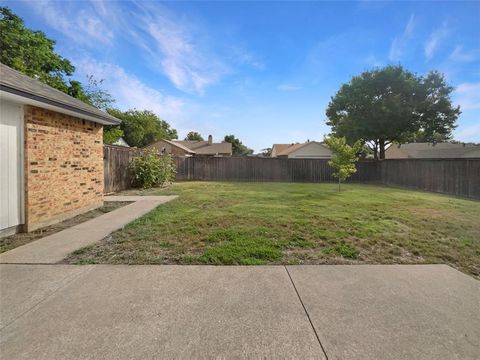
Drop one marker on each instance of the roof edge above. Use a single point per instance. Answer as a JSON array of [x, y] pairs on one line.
[[24, 94]]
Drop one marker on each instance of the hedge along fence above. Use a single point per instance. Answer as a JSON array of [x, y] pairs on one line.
[[459, 177]]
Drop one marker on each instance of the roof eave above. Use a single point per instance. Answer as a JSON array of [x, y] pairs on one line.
[[9, 92]]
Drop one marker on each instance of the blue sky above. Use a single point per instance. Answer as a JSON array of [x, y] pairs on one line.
[[263, 71]]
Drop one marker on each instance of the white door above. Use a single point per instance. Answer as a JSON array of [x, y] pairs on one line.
[[11, 164]]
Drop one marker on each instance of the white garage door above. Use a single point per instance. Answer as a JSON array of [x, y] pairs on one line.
[[11, 164]]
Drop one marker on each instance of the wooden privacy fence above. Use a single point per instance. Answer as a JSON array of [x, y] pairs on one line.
[[459, 177], [266, 169], [115, 165], [448, 176]]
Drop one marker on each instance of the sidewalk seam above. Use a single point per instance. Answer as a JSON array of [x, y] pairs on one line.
[[89, 268], [306, 312]]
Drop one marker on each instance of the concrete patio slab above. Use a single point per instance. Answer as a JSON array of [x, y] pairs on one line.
[[54, 248], [150, 312], [392, 311], [23, 287]]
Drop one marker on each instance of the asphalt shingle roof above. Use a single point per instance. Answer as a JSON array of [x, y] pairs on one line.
[[438, 151], [16, 83], [204, 148]]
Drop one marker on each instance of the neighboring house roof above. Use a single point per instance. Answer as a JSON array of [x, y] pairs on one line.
[[191, 144], [278, 148], [286, 149], [215, 148], [180, 146], [205, 148], [432, 151], [173, 143], [17, 86]]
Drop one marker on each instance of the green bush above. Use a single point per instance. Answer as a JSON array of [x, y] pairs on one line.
[[149, 169]]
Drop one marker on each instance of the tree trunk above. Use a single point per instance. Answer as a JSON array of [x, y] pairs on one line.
[[339, 184], [375, 150], [382, 149]]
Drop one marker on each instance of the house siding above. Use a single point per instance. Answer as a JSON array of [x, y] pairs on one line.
[[63, 166]]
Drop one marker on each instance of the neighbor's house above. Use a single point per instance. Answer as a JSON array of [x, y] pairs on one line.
[[432, 151], [170, 147], [193, 148], [306, 150], [51, 154]]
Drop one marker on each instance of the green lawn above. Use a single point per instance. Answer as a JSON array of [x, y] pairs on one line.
[[292, 223]]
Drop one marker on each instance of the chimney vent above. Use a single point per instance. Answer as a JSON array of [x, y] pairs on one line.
[[210, 139]]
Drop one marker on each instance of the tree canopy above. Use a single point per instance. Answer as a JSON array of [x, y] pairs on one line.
[[142, 127], [111, 134], [33, 54], [194, 136], [392, 105], [238, 149]]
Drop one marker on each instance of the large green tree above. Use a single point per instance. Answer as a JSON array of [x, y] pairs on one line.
[[33, 54], [238, 149], [392, 105], [194, 136], [141, 128]]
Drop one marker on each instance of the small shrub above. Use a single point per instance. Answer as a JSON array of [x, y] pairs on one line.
[[149, 169]]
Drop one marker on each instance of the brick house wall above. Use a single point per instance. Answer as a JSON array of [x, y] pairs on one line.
[[63, 166]]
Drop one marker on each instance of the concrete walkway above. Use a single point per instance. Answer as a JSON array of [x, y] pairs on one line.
[[185, 312], [54, 248]]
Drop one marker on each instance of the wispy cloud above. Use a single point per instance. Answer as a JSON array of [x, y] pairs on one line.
[[288, 87], [170, 43], [130, 92], [399, 44], [241, 56], [460, 55], [467, 95], [81, 25], [172, 46], [434, 40]]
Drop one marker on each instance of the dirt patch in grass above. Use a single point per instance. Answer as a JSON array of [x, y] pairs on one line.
[[292, 223], [16, 240]]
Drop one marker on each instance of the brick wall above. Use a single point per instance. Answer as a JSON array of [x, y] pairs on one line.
[[63, 166]]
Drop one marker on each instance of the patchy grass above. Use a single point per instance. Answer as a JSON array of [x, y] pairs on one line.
[[13, 241], [291, 223]]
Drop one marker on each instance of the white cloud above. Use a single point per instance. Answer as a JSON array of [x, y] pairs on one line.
[[461, 55], [434, 41], [170, 43], [129, 92], [288, 87], [82, 26], [173, 45], [467, 95], [399, 44]]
